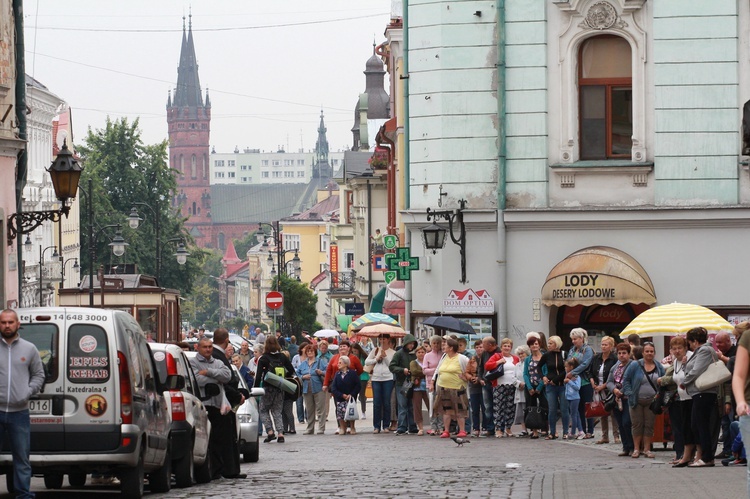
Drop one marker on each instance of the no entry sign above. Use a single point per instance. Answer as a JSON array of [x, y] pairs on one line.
[[274, 300]]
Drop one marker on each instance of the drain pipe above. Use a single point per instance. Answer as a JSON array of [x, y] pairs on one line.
[[22, 158], [502, 312]]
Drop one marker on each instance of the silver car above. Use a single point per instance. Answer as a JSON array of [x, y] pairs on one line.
[[248, 422]]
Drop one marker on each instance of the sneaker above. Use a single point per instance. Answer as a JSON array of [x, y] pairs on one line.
[[269, 438], [336, 432], [281, 440], [363, 416], [399, 433], [580, 436]]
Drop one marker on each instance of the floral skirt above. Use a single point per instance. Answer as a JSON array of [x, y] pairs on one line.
[[452, 402], [341, 410]]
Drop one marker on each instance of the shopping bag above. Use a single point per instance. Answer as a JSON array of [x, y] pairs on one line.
[[351, 410]]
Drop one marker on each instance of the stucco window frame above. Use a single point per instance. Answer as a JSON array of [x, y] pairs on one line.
[[570, 40]]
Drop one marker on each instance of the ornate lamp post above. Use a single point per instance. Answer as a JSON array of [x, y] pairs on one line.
[[433, 235]]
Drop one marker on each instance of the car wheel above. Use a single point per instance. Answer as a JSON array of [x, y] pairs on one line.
[[183, 470], [254, 453], [77, 480], [203, 471], [9, 481], [161, 479], [131, 481], [53, 480]]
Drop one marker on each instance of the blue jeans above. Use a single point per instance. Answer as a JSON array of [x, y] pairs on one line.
[[405, 414], [477, 409], [489, 414], [381, 404], [18, 428], [745, 430], [556, 401], [576, 425], [300, 410], [623, 422]]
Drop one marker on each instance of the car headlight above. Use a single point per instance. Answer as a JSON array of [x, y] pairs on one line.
[[244, 418]]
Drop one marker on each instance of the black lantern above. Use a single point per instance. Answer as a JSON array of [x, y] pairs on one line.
[[433, 237]]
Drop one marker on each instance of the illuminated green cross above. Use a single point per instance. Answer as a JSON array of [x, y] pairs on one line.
[[402, 263]]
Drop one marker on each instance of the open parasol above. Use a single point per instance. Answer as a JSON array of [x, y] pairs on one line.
[[675, 318], [378, 330]]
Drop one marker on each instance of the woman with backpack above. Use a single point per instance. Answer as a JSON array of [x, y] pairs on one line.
[[272, 403]]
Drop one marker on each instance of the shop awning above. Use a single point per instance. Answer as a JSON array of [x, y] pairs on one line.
[[395, 298], [598, 275], [376, 304]]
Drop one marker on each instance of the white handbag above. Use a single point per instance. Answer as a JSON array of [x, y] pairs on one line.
[[715, 374]]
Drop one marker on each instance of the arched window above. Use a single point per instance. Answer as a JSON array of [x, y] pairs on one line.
[[182, 165], [193, 166], [605, 98], [221, 241], [192, 212]]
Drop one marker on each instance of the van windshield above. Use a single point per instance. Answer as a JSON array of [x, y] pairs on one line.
[[88, 354], [45, 337]]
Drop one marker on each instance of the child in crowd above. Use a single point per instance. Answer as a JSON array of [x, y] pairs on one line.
[[520, 399], [573, 396]]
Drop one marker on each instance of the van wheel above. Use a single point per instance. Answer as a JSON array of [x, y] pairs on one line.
[[183, 470], [253, 453], [77, 480], [9, 481], [203, 472], [53, 480], [131, 481], [161, 479]]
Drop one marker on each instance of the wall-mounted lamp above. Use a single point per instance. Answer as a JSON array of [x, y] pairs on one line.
[[433, 235]]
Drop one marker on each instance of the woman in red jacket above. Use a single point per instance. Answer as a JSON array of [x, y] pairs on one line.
[[503, 388]]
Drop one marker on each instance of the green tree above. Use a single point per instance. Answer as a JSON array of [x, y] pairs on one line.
[[123, 171], [299, 305], [201, 306], [244, 244]]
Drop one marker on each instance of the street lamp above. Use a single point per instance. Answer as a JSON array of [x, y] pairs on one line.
[[74, 268], [433, 235], [65, 172], [41, 270], [134, 221]]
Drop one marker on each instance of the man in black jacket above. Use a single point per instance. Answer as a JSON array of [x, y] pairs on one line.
[[399, 366], [228, 422]]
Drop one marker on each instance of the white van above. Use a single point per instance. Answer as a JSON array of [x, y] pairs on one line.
[[100, 409]]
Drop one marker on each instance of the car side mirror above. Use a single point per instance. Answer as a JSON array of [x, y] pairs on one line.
[[175, 382], [210, 390], [257, 392]]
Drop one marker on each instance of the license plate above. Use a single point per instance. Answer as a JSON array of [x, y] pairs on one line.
[[43, 406]]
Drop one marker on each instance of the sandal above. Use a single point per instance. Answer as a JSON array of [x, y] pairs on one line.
[[376, 431], [636, 454], [649, 454], [602, 441], [550, 436], [420, 433], [700, 464], [445, 434]]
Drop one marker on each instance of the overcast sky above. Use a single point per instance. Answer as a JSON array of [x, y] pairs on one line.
[[269, 66]]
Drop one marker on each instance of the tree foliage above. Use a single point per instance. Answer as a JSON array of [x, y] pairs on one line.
[[124, 171], [201, 306], [241, 246], [299, 305]]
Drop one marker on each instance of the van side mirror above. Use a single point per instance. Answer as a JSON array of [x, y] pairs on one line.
[[175, 382], [257, 392]]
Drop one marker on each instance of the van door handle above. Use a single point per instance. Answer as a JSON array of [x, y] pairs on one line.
[[58, 405]]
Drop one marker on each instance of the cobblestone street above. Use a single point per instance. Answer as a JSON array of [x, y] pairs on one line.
[[386, 465]]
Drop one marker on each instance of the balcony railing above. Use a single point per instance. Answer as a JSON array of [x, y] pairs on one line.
[[342, 282]]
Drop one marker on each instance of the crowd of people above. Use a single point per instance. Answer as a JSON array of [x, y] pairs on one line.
[[494, 388]]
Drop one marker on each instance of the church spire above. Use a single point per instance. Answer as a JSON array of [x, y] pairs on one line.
[[188, 91], [321, 168]]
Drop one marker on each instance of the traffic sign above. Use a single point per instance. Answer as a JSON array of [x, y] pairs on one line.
[[274, 300]]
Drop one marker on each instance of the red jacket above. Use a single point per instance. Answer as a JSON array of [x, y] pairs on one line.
[[494, 361], [333, 366]]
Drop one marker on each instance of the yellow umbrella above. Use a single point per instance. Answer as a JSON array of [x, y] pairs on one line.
[[675, 318], [377, 330]]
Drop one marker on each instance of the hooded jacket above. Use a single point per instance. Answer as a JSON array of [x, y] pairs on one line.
[[402, 359], [21, 374]]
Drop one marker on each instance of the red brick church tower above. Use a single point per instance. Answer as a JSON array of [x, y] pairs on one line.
[[189, 121]]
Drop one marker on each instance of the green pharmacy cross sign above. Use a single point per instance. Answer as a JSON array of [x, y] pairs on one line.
[[400, 263]]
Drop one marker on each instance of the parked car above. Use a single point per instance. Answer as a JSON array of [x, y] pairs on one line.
[[190, 427], [248, 419], [101, 409]]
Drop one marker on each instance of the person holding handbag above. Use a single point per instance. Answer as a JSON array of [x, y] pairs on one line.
[[704, 401], [584, 354], [680, 412], [503, 388], [381, 376], [639, 385], [598, 374], [621, 410], [419, 392], [344, 386], [451, 395], [554, 385], [311, 371], [533, 376]]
